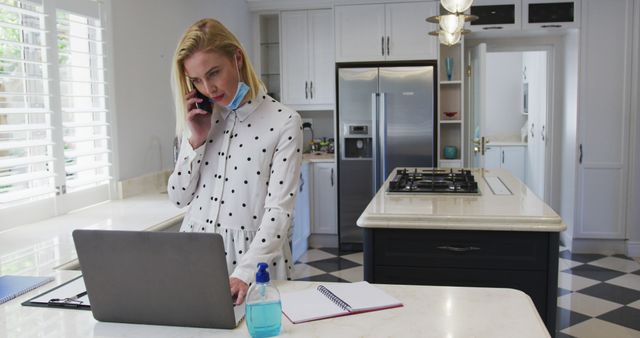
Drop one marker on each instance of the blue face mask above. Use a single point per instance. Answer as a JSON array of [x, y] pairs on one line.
[[241, 91]]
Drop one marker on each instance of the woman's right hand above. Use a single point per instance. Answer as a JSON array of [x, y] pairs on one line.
[[199, 121]]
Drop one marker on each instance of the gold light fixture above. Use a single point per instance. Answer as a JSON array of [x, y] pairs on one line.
[[456, 6], [449, 39], [451, 25]]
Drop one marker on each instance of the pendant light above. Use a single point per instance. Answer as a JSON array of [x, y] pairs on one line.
[[451, 23], [449, 39], [456, 6]]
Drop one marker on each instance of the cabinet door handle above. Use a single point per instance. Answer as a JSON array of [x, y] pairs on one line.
[[580, 148], [382, 44], [492, 27], [388, 52], [542, 133], [532, 126], [551, 26], [503, 157], [311, 89], [458, 248], [301, 182], [306, 90], [332, 177]]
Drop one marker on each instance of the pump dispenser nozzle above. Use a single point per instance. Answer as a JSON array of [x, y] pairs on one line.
[[262, 276]]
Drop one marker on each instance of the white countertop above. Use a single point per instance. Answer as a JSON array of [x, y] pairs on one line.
[[318, 157], [428, 311], [37, 248], [521, 211]]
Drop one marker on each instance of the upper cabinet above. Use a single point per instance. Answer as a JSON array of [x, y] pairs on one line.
[[308, 66], [550, 14], [504, 15], [384, 32], [496, 15]]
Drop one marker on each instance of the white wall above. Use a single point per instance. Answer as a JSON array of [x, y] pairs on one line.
[[145, 34], [568, 156], [504, 90]]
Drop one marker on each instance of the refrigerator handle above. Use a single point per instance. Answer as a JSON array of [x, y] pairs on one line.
[[383, 138], [374, 139]]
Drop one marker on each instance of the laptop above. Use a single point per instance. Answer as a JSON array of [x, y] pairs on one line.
[[160, 278]]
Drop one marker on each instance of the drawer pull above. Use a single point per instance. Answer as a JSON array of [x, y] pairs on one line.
[[458, 248]]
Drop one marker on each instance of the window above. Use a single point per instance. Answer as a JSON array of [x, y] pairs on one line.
[[54, 126]]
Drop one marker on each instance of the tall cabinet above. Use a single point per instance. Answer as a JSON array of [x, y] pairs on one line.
[[451, 113], [604, 104]]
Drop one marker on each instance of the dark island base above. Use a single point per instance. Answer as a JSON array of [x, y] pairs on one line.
[[527, 261]]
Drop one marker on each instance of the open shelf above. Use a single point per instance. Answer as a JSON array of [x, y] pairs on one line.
[[451, 130]]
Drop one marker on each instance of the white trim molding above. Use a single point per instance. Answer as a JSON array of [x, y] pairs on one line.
[[601, 246], [633, 249]]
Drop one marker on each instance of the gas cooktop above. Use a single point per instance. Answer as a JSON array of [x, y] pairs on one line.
[[435, 180]]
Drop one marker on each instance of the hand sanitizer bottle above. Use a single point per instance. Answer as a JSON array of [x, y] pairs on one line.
[[263, 308]]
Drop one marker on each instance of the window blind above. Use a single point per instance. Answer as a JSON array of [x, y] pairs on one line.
[[26, 145], [83, 100]]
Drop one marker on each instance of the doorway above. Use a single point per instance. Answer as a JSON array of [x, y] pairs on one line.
[[509, 109]]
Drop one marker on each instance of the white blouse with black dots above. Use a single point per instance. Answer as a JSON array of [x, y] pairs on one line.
[[242, 184]]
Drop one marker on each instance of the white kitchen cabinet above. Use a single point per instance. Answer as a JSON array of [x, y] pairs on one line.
[[511, 158], [302, 214], [604, 101], [550, 14], [380, 32], [325, 208], [308, 76]]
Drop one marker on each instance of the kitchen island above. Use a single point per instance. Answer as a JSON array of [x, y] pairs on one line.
[[427, 311], [505, 236]]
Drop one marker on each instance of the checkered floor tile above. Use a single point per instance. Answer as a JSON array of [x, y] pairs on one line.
[[598, 295]]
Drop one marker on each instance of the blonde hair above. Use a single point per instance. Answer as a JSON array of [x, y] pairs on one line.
[[207, 35]]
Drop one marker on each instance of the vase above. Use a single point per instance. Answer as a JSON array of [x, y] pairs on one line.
[[450, 152], [448, 63]]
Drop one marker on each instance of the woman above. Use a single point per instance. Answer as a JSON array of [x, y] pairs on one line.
[[238, 165]]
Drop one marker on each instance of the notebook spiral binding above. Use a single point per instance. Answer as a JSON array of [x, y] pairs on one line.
[[341, 303]]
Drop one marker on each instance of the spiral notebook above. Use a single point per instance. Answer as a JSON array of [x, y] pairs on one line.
[[14, 286], [335, 300]]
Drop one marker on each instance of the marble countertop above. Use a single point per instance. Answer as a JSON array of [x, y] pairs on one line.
[[319, 157], [520, 211], [427, 311], [38, 248]]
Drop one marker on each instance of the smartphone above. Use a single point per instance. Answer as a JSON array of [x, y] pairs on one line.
[[206, 102]]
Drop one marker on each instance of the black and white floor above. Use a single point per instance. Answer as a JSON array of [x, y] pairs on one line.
[[598, 295]]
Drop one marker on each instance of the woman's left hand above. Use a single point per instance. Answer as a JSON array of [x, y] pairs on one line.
[[238, 289]]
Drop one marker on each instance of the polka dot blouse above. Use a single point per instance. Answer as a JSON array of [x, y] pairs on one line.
[[242, 184]]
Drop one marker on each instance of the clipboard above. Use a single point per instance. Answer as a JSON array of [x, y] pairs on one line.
[[70, 295]]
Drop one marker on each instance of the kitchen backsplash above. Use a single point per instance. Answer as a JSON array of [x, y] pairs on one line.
[[322, 124]]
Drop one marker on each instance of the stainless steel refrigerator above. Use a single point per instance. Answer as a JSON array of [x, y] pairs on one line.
[[385, 119]]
